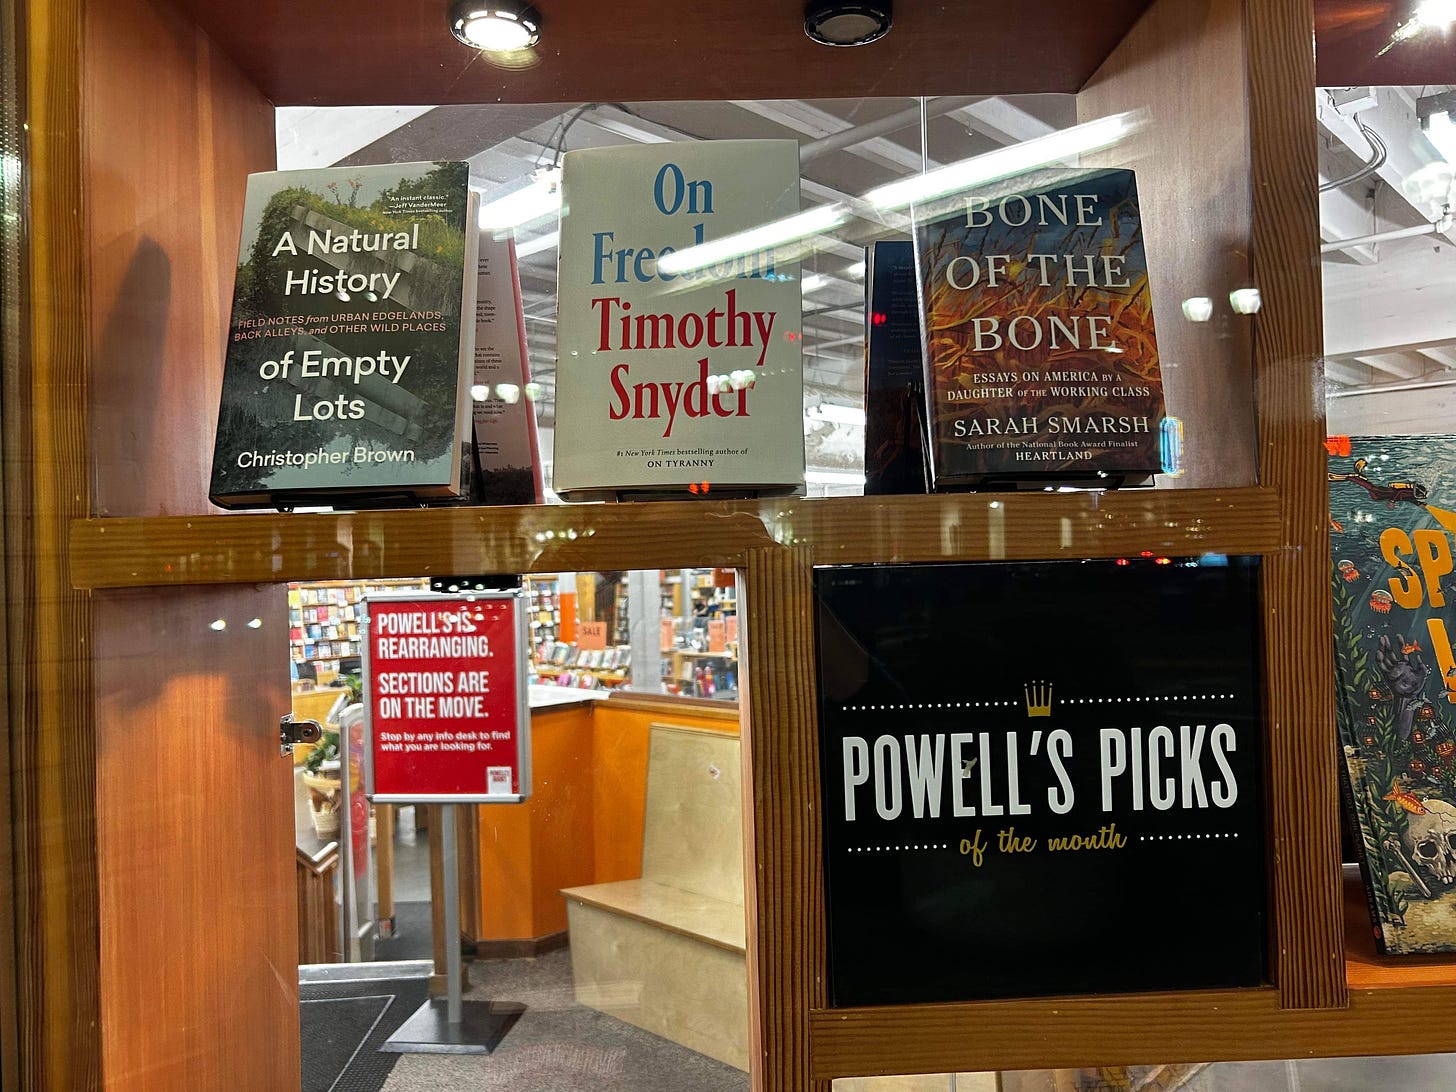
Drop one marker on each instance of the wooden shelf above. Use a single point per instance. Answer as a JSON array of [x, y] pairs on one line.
[[1367, 970], [402, 53], [273, 547], [1073, 1032]]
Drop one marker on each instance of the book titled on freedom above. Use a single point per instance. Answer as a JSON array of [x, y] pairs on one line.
[[348, 365], [1041, 361], [679, 363]]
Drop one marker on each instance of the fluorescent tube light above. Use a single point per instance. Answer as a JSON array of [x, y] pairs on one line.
[[541, 197], [1441, 132], [1006, 162], [813, 282], [536, 246], [790, 229]]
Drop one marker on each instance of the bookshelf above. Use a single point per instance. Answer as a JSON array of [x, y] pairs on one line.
[[324, 619], [544, 604]]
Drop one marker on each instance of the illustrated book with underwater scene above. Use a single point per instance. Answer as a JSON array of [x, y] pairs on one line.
[[1392, 516]]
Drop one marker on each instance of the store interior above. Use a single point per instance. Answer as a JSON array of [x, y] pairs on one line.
[[600, 640], [653, 915], [616, 889]]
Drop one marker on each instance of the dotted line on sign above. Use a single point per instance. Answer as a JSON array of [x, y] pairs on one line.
[[876, 708], [931, 705], [1181, 837], [1169, 697], [893, 849]]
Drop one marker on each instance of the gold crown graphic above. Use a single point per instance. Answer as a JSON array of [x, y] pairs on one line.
[[1038, 698]]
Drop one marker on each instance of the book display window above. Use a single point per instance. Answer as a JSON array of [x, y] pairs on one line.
[[907, 463]]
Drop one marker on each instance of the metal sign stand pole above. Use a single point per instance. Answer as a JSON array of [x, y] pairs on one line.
[[452, 914], [450, 1024]]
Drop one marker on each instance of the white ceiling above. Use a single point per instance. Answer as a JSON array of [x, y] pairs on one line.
[[1390, 306]]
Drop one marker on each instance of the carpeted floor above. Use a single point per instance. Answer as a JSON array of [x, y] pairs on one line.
[[342, 1025], [559, 1046]]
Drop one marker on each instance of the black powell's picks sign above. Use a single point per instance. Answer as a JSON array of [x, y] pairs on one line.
[[1041, 778]]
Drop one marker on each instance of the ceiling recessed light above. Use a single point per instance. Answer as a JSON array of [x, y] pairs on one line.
[[495, 26], [847, 22]]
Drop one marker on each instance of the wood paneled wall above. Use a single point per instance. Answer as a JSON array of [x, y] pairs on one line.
[[171, 132], [48, 624], [195, 844], [1183, 70], [194, 808]]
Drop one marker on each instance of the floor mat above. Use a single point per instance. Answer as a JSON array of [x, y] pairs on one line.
[[342, 1025]]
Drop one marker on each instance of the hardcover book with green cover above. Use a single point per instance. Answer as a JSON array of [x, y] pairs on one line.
[[1392, 515], [348, 366]]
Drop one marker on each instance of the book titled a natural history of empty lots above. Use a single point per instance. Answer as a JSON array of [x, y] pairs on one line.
[[1041, 357], [348, 367], [679, 361]]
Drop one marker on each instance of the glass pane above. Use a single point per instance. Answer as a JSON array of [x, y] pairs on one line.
[[1389, 287], [610, 904], [1390, 342], [866, 168]]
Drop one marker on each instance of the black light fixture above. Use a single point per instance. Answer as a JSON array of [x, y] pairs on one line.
[[495, 26], [847, 22]]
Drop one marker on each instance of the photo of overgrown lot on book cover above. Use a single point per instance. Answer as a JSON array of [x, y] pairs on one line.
[[1392, 515], [347, 364]]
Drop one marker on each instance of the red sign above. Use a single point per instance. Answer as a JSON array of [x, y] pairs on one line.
[[445, 690]]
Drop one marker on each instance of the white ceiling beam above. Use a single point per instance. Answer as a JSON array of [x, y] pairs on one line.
[[320, 136], [1401, 365], [1344, 217], [1395, 122], [1001, 121], [812, 122], [1407, 301], [1429, 408], [1444, 355], [908, 118], [1350, 375]]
